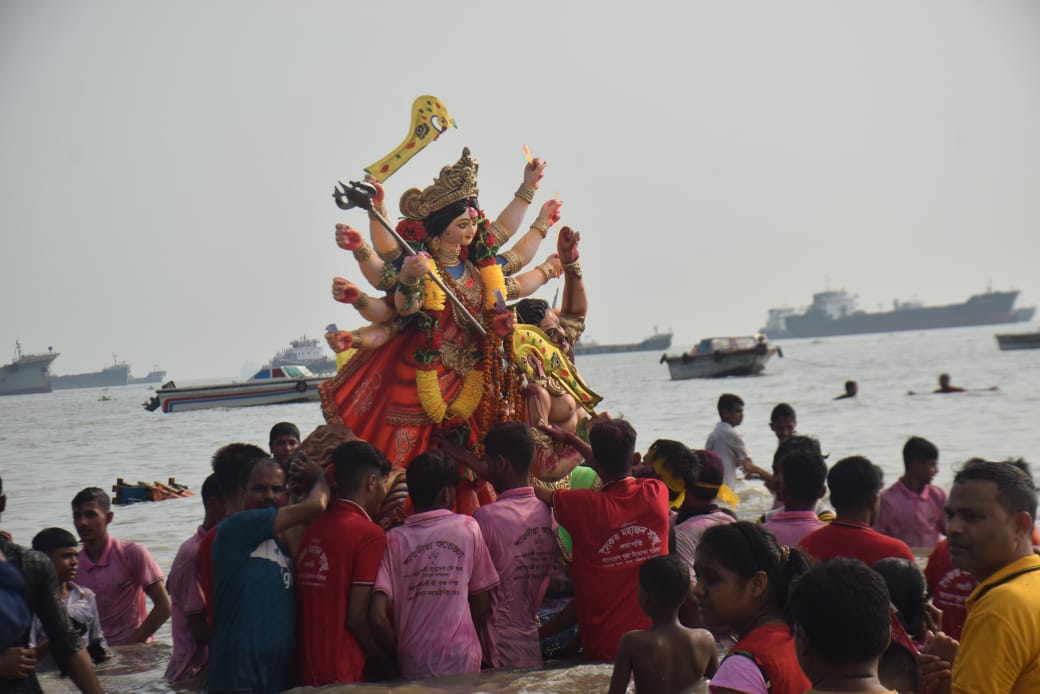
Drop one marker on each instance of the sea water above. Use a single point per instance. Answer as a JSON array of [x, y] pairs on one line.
[[55, 444]]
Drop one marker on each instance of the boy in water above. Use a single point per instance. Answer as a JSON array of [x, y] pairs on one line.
[[62, 548], [667, 657]]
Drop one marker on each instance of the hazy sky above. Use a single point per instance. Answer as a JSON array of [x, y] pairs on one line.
[[166, 167]]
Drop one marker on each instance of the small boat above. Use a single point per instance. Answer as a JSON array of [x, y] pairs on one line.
[[269, 386], [1008, 341], [126, 493], [715, 357]]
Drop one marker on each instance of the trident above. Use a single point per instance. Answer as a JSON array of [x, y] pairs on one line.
[[360, 194]]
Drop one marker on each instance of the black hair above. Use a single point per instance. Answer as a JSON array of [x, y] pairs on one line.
[[842, 606], [531, 311], [666, 579], [247, 470], [804, 474], [96, 495], [354, 461], [613, 444], [854, 482], [211, 489], [917, 448], [747, 548], [781, 411], [50, 540], [729, 401], [906, 588], [437, 221], [283, 429], [512, 441], [228, 463], [799, 443], [677, 459], [1016, 492], [428, 474]]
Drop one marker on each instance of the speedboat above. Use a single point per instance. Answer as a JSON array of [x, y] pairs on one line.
[[1008, 341], [271, 385], [715, 357]]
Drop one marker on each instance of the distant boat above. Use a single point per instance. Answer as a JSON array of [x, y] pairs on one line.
[[1008, 341], [156, 375], [716, 357], [27, 373], [306, 351], [268, 386], [836, 313], [651, 344], [116, 375]]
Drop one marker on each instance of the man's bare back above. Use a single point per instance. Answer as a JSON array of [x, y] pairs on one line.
[[664, 658]]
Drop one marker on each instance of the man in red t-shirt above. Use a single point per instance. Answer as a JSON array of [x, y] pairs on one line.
[[614, 530], [336, 567], [855, 485]]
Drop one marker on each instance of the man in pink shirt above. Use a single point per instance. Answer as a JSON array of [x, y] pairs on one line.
[[435, 578], [801, 479], [518, 531], [190, 633], [912, 509], [119, 573]]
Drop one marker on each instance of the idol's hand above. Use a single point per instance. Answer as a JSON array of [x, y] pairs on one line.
[[348, 238], [339, 341], [550, 211], [414, 267], [344, 290], [556, 264], [377, 199], [503, 323], [533, 172], [567, 244]]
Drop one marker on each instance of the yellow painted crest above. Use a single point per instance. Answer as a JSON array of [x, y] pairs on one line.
[[429, 119]]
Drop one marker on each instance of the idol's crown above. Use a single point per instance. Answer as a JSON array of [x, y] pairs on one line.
[[456, 182]]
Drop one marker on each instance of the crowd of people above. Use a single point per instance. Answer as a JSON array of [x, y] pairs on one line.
[[294, 579]]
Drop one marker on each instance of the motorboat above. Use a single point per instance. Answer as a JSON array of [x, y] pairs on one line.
[[715, 357], [271, 385], [1008, 341]]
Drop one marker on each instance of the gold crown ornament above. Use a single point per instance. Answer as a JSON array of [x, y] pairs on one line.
[[456, 182]]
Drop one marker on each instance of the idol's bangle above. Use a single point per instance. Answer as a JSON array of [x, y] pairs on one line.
[[356, 339], [512, 288], [512, 264], [542, 226], [548, 270], [392, 255], [362, 301], [525, 192], [573, 269], [407, 286], [363, 252]]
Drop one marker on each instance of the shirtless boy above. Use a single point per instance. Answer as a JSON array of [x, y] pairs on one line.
[[667, 657]]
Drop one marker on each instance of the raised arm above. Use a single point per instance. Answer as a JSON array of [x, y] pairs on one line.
[[523, 250], [312, 506], [371, 309], [527, 283], [409, 295], [575, 303], [385, 245], [372, 266], [509, 219]]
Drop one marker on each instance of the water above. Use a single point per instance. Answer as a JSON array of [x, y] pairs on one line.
[[59, 443]]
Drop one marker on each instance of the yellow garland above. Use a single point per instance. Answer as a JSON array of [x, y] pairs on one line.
[[465, 403], [434, 295], [493, 280]]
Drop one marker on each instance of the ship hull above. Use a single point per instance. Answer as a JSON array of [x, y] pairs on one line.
[[26, 375], [747, 363], [152, 377], [650, 344], [993, 308], [1012, 341], [247, 394], [118, 375]]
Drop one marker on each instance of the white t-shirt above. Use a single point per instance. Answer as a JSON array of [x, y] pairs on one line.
[[726, 443]]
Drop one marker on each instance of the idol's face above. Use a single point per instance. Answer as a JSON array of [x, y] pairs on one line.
[[550, 325], [462, 229]]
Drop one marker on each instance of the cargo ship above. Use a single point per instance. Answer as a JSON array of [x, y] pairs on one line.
[[115, 375], [27, 373], [836, 313], [654, 343], [307, 352]]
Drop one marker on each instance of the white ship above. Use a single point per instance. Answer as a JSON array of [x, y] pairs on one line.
[[305, 352], [27, 373]]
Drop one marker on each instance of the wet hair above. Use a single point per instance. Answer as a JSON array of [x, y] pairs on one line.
[[439, 220], [354, 461], [729, 401], [666, 579], [228, 463], [906, 588], [1016, 492], [805, 473], [50, 540], [854, 482], [211, 489], [781, 411], [613, 445], [799, 443], [96, 495], [284, 429], [531, 311], [512, 441], [747, 548], [917, 448], [1022, 465], [428, 474], [247, 470], [842, 606]]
